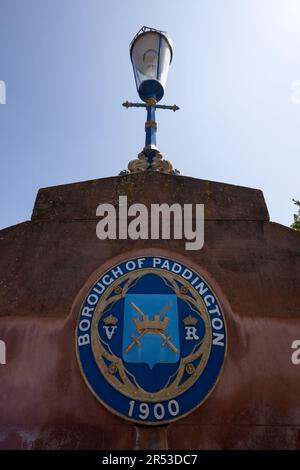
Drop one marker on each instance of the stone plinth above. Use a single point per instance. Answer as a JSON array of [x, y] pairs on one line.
[[253, 265]]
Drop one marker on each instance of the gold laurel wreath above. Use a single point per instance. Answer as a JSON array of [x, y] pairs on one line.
[[125, 385]]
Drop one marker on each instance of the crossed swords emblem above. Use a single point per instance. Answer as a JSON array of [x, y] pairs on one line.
[[155, 326]]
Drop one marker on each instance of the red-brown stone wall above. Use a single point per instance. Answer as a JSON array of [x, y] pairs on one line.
[[254, 266]]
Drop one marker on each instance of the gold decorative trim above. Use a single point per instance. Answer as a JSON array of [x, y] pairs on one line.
[[151, 102], [150, 123], [139, 164], [159, 164]]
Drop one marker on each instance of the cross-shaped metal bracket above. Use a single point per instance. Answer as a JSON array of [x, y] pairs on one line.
[[150, 158], [127, 105]]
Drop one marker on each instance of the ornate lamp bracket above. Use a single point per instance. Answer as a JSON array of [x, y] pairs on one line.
[[150, 159]]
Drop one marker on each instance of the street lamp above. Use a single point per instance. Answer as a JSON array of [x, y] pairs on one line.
[[151, 53]]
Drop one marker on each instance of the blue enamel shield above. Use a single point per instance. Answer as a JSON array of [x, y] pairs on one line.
[[150, 331]]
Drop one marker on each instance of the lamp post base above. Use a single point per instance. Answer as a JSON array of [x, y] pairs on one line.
[[150, 159]]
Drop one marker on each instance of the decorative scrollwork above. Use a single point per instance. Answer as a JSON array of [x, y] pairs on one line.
[[139, 164], [159, 164]]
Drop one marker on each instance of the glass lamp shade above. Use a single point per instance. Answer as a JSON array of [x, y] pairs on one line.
[[151, 54]]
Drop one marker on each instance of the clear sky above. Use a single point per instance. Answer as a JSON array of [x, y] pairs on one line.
[[67, 70]]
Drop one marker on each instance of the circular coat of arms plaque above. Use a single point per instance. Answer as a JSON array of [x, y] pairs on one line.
[[151, 339]]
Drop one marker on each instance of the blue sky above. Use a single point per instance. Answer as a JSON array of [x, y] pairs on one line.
[[67, 70]]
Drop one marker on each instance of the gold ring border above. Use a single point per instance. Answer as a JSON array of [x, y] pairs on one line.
[[174, 389]]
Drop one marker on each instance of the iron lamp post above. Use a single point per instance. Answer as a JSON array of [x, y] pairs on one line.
[[151, 53]]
